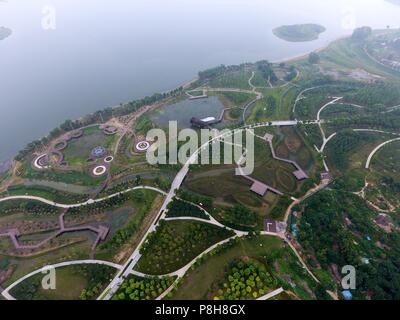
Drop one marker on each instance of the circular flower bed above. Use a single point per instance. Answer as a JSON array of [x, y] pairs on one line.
[[99, 170], [142, 146]]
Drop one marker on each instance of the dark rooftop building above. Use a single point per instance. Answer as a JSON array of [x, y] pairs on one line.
[[300, 174], [326, 176], [196, 122], [259, 188], [270, 225]]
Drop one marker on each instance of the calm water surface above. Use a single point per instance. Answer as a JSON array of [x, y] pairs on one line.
[[106, 52], [183, 111]]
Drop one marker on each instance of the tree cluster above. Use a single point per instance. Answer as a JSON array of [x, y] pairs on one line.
[[135, 288], [267, 71], [175, 243], [245, 280], [179, 208]]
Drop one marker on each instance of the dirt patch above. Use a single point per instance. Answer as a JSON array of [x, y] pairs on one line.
[[292, 143], [362, 75], [282, 151]]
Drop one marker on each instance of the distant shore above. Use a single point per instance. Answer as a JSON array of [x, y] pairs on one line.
[[305, 55], [5, 33], [299, 32], [5, 166]]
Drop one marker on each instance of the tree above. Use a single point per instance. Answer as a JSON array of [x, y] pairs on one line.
[[313, 58], [267, 71], [271, 100], [361, 34], [138, 180], [121, 296]]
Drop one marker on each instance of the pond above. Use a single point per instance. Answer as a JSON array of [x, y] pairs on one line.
[[185, 110]]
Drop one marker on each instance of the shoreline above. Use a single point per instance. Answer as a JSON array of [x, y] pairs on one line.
[[305, 55], [296, 57], [184, 85], [5, 165]]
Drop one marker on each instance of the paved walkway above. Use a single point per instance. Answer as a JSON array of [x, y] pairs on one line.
[[326, 140], [301, 97], [77, 205], [176, 184], [212, 221], [271, 294], [127, 268], [377, 149], [101, 231], [6, 291], [377, 61], [302, 261], [253, 88]]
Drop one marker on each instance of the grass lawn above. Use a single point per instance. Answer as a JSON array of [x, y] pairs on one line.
[[384, 177], [235, 79], [45, 192], [69, 177], [76, 251], [234, 99], [345, 53], [69, 285], [357, 156], [71, 281], [78, 150]]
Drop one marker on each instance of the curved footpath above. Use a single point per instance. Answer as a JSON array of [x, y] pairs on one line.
[[6, 291], [134, 258], [127, 268], [77, 205], [376, 150]]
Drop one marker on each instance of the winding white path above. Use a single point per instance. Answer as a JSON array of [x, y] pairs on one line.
[[212, 221], [127, 268], [77, 205], [376, 150], [176, 184], [253, 87], [300, 96], [8, 296], [335, 99], [326, 140]]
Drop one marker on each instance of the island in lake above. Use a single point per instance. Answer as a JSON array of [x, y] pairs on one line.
[[4, 33], [299, 32], [395, 2]]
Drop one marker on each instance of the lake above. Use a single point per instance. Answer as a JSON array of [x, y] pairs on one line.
[[102, 52], [183, 111]]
